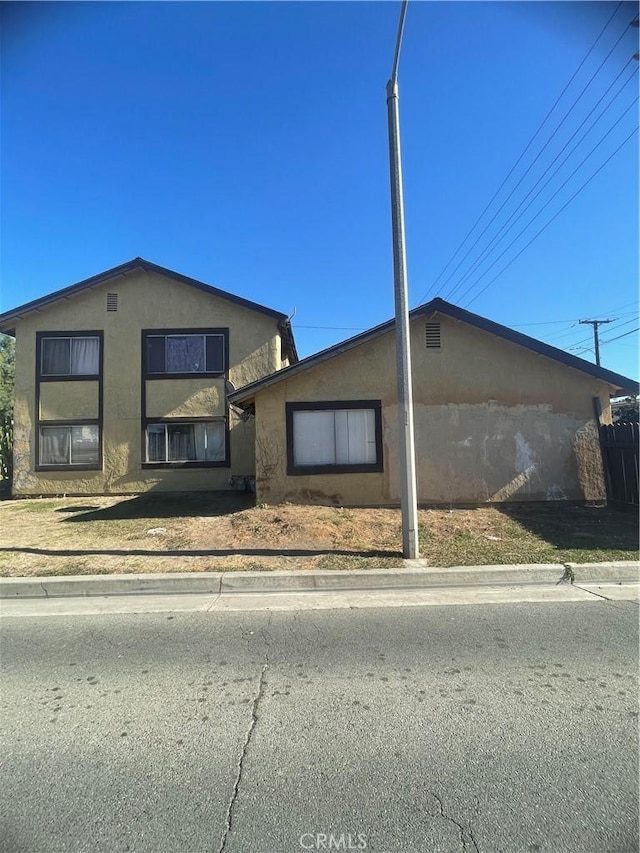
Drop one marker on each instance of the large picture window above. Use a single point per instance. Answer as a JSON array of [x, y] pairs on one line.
[[338, 437], [70, 356], [185, 353], [70, 445], [203, 442]]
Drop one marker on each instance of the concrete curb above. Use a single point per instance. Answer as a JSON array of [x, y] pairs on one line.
[[411, 576]]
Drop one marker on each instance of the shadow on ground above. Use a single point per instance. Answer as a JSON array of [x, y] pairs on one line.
[[197, 552], [149, 505], [572, 527]]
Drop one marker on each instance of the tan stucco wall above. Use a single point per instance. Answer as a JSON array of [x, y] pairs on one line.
[[60, 400], [145, 300], [184, 398], [493, 422]]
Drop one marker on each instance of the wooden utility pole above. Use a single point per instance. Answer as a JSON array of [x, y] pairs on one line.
[[596, 342]]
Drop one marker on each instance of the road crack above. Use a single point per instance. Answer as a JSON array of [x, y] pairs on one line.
[[234, 794], [467, 838]]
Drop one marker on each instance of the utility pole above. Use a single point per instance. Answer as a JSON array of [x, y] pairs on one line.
[[407, 460], [596, 342]]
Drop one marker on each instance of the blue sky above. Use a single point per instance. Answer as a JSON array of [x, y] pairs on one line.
[[245, 144]]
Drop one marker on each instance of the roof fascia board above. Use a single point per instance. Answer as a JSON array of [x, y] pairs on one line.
[[440, 306], [123, 269]]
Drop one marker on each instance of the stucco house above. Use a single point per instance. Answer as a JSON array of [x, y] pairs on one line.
[[499, 416], [122, 383]]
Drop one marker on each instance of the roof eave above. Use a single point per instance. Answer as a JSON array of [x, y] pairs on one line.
[[124, 269], [621, 383]]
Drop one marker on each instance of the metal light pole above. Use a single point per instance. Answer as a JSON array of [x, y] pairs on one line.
[[408, 495]]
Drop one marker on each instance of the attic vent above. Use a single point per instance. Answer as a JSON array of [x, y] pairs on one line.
[[112, 301], [432, 335]]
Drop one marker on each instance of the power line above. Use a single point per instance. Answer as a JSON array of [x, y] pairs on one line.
[[564, 334], [617, 326], [529, 144], [554, 217], [549, 200], [502, 233], [611, 340]]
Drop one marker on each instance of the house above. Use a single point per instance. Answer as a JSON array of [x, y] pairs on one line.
[[499, 416], [122, 382]]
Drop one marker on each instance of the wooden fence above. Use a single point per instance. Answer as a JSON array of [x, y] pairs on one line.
[[620, 456]]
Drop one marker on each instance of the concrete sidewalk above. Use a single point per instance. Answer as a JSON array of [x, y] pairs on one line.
[[412, 575]]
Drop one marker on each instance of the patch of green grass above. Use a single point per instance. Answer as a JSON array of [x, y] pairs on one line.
[[352, 561], [41, 506], [72, 569]]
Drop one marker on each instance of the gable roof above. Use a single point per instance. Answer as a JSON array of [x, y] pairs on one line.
[[622, 383], [7, 319]]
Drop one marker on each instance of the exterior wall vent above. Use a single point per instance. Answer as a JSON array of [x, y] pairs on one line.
[[112, 301], [432, 335]]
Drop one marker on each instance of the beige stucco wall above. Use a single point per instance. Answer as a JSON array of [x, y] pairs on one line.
[[145, 300], [184, 398], [60, 400], [493, 422]]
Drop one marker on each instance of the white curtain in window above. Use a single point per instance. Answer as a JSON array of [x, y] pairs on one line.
[[313, 438], [85, 356], [54, 445], [355, 436], [339, 437]]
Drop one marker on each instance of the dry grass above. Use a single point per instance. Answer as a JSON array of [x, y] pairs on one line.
[[214, 532]]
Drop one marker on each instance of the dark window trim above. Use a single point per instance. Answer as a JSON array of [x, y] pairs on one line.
[[95, 466], [294, 470], [99, 378], [223, 332], [222, 463], [71, 377]]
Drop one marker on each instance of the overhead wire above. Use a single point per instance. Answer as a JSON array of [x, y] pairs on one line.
[[554, 217], [527, 147], [504, 230]]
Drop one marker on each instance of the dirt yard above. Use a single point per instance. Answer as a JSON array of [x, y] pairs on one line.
[[214, 532]]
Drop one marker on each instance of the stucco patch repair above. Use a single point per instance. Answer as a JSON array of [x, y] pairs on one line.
[[525, 457]]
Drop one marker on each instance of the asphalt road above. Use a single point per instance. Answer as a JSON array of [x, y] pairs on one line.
[[495, 727]]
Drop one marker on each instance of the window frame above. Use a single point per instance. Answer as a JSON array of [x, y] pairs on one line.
[[222, 332], [69, 377], [294, 470], [222, 463], [68, 466]]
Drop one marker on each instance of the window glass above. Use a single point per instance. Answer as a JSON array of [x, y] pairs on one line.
[[85, 354], [70, 445], [156, 356], [54, 445], [56, 356], [182, 443], [313, 438], [75, 356], [334, 437], [84, 445], [215, 353], [215, 438], [197, 442], [185, 354], [156, 440]]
